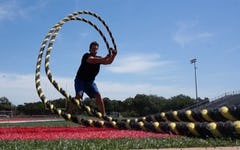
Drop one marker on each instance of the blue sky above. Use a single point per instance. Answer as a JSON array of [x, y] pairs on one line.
[[156, 40]]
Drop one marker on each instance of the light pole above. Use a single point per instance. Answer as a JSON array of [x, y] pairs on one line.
[[193, 61]]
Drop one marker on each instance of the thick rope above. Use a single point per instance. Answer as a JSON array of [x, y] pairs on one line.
[[219, 122], [50, 39]]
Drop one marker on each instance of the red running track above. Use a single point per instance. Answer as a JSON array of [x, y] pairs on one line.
[[55, 133]]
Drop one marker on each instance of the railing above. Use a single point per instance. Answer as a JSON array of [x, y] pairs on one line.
[[215, 101], [220, 99], [225, 94], [6, 113]]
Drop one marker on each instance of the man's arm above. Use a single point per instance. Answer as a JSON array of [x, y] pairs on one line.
[[103, 60]]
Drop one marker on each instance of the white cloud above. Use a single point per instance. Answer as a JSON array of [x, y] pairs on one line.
[[233, 49], [9, 10], [84, 34], [12, 9], [187, 33], [20, 89], [137, 63], [121, 91], [17, 88]]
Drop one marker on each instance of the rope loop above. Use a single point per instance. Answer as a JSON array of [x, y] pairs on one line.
[[48, 43], [222, 122]]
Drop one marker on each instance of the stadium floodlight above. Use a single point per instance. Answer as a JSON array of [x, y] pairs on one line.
[[193, 61]]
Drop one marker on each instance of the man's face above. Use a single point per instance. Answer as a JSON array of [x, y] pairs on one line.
[[94, 49]]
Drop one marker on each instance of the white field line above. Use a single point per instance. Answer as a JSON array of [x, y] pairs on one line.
[[29, 121]]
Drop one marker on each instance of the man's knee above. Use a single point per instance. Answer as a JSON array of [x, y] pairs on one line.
[[97, 96]]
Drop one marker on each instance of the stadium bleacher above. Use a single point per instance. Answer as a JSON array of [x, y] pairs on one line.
[[227, 99]]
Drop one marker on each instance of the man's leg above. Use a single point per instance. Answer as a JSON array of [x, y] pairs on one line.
[[92, 92], [100, 104], [79, 86], [78, 96], [72, 106]]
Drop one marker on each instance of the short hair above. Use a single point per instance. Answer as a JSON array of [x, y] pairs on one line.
[[92, 44]]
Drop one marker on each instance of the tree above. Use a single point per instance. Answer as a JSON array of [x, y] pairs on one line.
[[5, 104], [108, 104], [179, 102], [36, 108]]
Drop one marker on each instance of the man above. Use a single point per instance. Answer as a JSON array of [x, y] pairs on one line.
[[88, 70]]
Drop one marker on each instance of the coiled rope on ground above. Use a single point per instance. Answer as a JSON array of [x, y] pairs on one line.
[[219, 122]]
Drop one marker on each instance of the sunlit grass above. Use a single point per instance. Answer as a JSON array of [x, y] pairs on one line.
[[47, 123], [107, 144], [116, 144]]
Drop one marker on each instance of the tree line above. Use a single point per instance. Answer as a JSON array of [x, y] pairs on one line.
[[140, 105]]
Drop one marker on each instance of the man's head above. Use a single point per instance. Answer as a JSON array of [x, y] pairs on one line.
[[93, 47]]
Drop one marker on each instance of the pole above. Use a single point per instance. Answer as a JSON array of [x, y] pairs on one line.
[[193, 61]]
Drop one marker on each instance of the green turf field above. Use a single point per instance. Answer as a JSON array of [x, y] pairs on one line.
[[108, 144]]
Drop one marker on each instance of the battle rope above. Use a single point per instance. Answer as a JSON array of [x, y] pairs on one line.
[[223, 113], [50, 39], [223, 121]]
